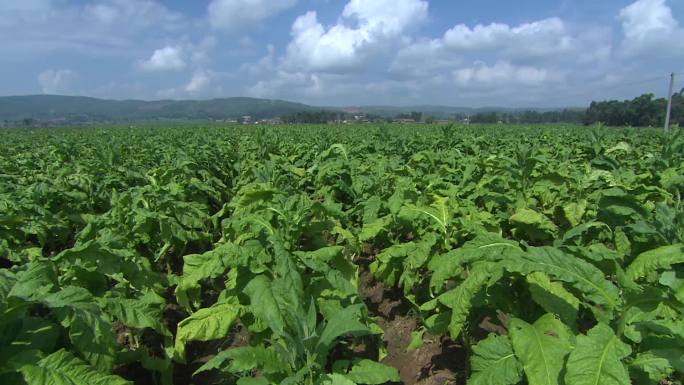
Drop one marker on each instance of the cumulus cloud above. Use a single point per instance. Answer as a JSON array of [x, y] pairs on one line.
[[56, 81], [372, 51], [365, 27], [169, 58], [649, 25], [548, 41], [199, 82], [543, 37], [503, 72], [203, 83], [235, 15], [100, 27], [372, 55]]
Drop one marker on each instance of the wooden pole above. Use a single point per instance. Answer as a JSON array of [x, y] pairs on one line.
[[669, 103]]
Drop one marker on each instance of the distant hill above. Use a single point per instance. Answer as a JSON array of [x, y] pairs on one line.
[[440, 111], [75, 108]]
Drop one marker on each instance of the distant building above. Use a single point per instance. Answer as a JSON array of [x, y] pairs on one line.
[[271, 121], [404, 120]]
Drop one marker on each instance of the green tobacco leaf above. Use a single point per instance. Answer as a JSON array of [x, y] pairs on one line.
[[337, 379], [7, 280], [541, 348], [371, 230], [574, 212], [371, 208], [62, 368], [398, 263], [460, 299], [136, 313], [416, 340], [197, 267], [252, 381], [205, 325], [597, 359], [657, 259], [622, 243], [245, 359], [324, 255], [345, 322], [263, 303], [35, 282], [90, 332], [616, 207], [650, 367], [553, 297], [578, 230], [582, 275], [534, 224], [485, 247], [372, 373], [36, 334], [494, 363]]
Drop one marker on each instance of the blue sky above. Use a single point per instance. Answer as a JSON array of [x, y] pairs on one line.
[[541, 53]]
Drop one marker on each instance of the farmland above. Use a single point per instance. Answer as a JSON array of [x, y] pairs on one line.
[[341, 255]]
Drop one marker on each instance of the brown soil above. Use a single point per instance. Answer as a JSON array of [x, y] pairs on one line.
[[434, 363]]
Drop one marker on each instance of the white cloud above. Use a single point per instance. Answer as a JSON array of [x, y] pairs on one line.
[[235, 15], [386, 17], [543, 37], [56, 81], [199, 82], [529, 53], [649, 25], [644, 18], [202, 84], [503, 73], [99, 27], [372, 55], [365, 28], [132, 16], [547, 40], [169, 58]]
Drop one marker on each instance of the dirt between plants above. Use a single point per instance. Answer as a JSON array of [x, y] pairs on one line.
[[437, 362]]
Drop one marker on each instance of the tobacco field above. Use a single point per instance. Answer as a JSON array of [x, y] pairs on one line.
[[341, 255]]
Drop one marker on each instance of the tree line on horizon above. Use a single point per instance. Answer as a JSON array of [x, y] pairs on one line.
[[643, 111]]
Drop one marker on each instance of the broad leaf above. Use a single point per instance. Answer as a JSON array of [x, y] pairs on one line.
[[263, 303], [657, 259], [345, 322], [205, 325], [460, 299], [494, 363], [597, 359], [650, 367], [372, 373], [582, 275], [62, 368], [244, 359], [541, 348], [553, 297]]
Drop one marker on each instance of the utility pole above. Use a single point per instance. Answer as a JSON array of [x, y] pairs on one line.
[[669, 103]]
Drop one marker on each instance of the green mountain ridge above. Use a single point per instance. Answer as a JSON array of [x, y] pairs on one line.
[[445, 111], [80, 108], [47, 107]]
